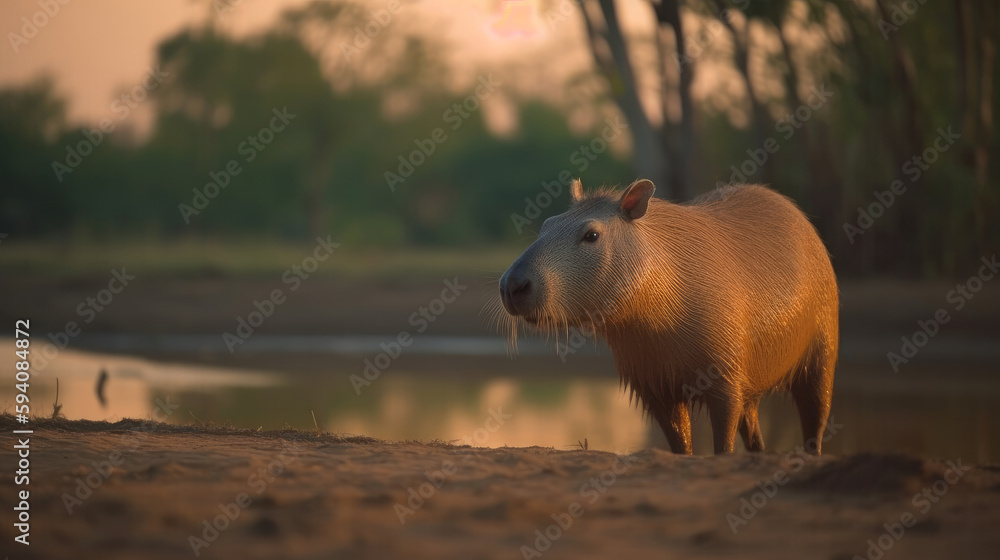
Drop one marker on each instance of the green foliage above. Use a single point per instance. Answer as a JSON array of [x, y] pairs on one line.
[[333, 156], [326, 171]]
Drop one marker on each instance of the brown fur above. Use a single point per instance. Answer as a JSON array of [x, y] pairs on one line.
[[715, 302]]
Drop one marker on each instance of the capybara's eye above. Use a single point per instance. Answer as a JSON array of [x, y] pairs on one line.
[[591, 236]]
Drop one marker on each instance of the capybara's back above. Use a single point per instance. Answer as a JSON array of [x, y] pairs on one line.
[[715, 302]]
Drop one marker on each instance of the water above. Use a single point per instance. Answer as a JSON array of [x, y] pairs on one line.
[[465, 390]]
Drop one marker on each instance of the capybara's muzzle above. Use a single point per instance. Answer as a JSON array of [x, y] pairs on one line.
[[515, 290]]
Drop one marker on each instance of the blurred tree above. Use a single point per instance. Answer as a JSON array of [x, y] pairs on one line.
[[223, 92], [31, 119], [976, 26], [652, 157], [877, 135], [681, 145], [900, 82]]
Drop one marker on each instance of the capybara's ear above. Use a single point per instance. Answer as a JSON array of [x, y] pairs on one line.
[[635, 201], [576, 190]]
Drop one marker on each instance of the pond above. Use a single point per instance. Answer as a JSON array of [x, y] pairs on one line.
[[467, 391]]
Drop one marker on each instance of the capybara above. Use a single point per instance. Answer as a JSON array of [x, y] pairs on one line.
[[716, 302]]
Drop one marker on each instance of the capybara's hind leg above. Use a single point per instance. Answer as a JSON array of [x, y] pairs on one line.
[[753, 440], [675, 421], [812, 390]]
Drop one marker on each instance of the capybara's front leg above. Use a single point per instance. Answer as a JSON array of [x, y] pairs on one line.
[[725, 411], [675, 421], [753, 440]]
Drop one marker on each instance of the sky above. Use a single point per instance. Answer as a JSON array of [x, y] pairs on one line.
[[97, 49]]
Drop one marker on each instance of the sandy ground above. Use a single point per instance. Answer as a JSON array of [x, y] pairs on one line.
[[307, 495], [143, 490]]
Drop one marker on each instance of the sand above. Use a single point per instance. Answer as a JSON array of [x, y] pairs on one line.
[[138, 489]]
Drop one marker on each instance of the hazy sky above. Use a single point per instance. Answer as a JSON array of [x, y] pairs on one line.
[[95, 49]]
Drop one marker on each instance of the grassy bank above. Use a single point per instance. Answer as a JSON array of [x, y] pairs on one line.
[[242, 258]]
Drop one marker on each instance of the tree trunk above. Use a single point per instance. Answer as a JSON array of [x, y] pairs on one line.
[[987, 54], [648, 158], [668, 13], [758, 116], [912, 251]]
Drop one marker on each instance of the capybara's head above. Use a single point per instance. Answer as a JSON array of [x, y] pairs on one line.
[[584, 263]]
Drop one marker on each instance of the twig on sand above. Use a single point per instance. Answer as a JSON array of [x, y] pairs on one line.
[[102, 378], [56, 407], [314, 420]]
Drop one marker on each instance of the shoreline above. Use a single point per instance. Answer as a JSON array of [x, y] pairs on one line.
[[141, 489]]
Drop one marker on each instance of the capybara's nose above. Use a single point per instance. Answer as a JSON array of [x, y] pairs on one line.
[[514, 291], [518, 288]]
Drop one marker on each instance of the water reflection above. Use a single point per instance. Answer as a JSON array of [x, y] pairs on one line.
[[923, 414], [131, 387], [545, 413]]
